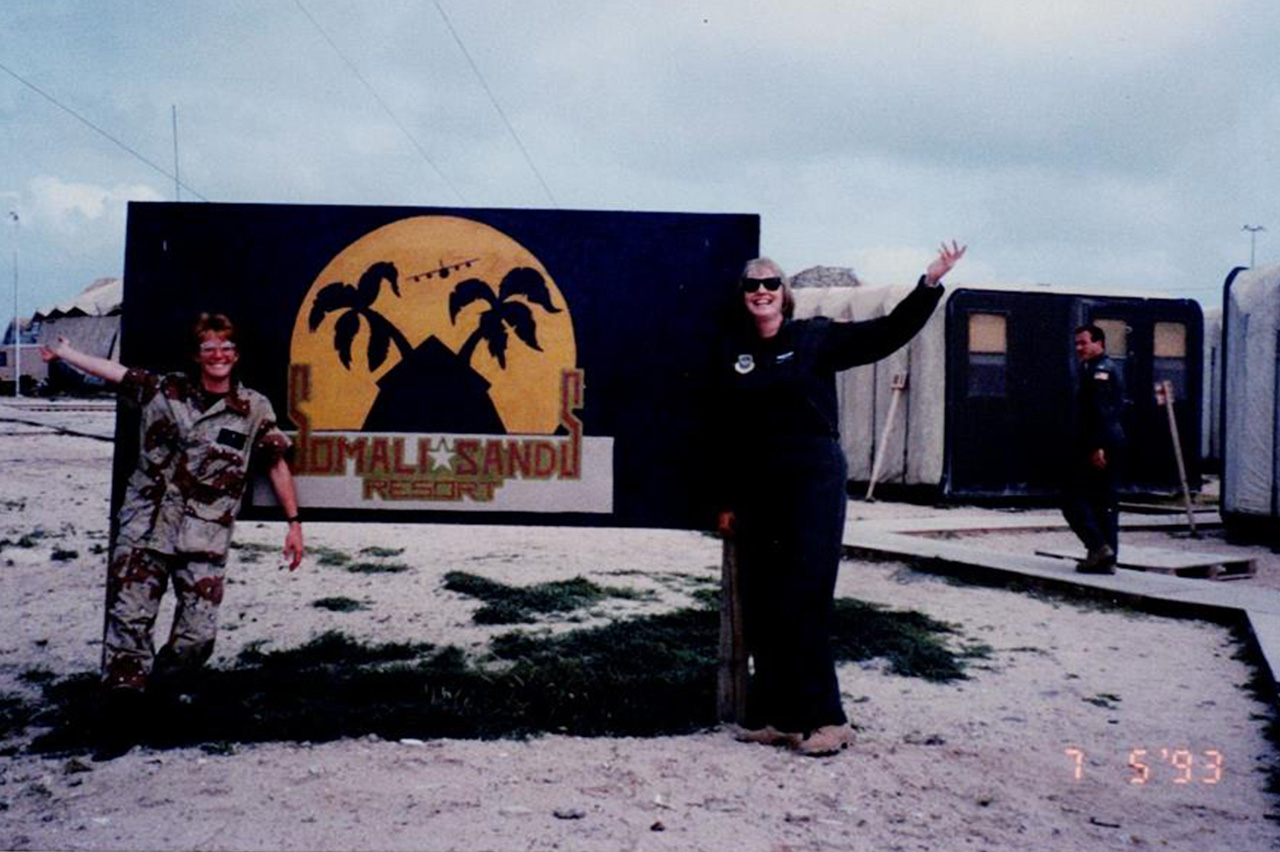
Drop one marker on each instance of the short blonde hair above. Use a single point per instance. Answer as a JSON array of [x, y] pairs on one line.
[[753, 269]]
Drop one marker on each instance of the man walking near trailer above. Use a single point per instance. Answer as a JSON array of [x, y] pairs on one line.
[[1091, 499]]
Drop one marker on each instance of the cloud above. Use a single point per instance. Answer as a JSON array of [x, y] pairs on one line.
[[70, 209], [1081, 86], [1089, 140]]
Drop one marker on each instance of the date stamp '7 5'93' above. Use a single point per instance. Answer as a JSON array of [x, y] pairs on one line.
[[1162, 765]]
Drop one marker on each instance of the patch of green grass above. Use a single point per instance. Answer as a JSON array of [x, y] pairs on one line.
[[331, 648], [644, 676], [708, 596], [26, 541], [251, 552], [910, 641], [36, 676], [61, 555], [381, 552], [975, 651], [626, 593], [506, 604], [1260, 688], [15, 714], [378, 567], [1105, 700], [329, 557], [253, 547], [339, 604]]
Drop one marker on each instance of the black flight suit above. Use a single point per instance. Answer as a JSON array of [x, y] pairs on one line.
[[1091, 497], [784, 478]]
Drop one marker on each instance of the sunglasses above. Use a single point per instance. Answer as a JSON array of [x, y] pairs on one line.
[[750, 285]]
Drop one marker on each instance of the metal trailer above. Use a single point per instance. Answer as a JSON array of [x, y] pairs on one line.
[[979, 405]]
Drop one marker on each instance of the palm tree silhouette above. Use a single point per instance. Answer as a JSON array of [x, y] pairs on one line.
[[358, 302], [502, 311]]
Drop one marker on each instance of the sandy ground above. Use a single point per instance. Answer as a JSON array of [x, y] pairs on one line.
[[1031, 752]]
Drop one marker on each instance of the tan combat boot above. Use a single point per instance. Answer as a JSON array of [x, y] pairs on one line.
[[829, 739]]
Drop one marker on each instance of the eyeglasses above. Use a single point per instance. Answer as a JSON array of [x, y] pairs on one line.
[[226, 348], [750, 285]]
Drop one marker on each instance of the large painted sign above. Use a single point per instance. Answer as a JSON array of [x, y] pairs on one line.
[[505, 366]]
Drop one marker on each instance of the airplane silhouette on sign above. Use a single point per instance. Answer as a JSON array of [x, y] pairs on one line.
[[444, 270]]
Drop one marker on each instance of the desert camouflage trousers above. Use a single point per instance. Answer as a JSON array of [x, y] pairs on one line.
[[136, 582]]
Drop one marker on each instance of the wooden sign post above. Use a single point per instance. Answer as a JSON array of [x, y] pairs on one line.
[[731, 681]]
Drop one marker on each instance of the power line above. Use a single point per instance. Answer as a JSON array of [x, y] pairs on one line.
[[78, 117], [380, 101], [496, 105]]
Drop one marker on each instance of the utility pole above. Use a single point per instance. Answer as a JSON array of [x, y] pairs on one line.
[[177, 185], [17, 324], [1253, 239]]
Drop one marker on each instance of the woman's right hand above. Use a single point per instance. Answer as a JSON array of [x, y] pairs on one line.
[[53, 351], [726, 524]]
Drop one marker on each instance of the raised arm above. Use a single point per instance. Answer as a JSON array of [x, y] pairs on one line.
[[104, 368], [848, 344]]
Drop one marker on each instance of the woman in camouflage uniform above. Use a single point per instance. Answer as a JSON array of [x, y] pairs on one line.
[[198, 434]]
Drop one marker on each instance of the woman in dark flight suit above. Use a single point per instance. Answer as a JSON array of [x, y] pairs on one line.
[[784, 486]]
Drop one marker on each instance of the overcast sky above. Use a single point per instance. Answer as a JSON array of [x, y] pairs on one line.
[[1112, 145]]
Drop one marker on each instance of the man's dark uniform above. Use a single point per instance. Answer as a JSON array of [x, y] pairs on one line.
[[1091, 499]]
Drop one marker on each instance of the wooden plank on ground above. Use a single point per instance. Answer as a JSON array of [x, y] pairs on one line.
[[1181, 563]]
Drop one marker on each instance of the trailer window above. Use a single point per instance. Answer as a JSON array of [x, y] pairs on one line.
[[1117, 337], [1169, 356], [988, 346]]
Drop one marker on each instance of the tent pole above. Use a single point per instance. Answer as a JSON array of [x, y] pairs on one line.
[[1164, 396], [899, 386]]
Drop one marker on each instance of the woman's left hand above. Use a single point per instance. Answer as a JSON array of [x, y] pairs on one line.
[[947, 258]]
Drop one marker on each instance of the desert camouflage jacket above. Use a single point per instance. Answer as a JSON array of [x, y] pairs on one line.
[[193, 461]]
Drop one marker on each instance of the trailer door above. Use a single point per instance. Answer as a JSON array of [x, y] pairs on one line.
[[1007, 393]]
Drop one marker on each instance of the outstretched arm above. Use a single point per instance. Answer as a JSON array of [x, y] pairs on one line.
[[282, 482], [849, 344], [104, 368]]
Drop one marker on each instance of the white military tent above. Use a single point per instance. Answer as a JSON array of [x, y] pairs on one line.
[[913, 454], [1251, 396], [90, 321], [1210, 423]]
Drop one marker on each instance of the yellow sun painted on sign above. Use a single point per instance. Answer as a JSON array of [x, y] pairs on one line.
[[434, 324]]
